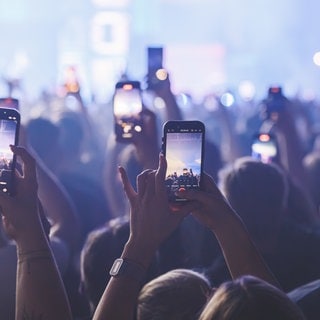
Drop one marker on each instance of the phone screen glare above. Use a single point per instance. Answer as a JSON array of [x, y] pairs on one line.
[[7, 137], [183, 154], [264, 151], [127, 103]]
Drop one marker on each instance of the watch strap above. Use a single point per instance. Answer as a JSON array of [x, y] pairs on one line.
[[127, 267]]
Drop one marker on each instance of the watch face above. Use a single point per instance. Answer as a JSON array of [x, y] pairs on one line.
[[116, 267]]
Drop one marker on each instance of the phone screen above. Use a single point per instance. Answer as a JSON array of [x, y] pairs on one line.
[[184, 154], [264, 148], [127, 105], [9, 127], [155, 58]]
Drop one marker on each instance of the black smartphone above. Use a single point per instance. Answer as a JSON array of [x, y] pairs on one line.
[[183, 147], [9, 102], [156, 72], [274, 103], [127, 106], [155, 58], [9, 134], [264, 147]]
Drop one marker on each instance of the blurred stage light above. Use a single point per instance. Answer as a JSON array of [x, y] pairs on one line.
[[316, 58], [211, 103], [162, 74], [183, 100], [247, 90], [159, 103], [227, 99]]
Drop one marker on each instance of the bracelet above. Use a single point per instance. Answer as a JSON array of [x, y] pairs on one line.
[[34, 255], [127, 267]]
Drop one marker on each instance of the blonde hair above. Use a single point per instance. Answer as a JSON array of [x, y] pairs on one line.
[[177, 294], [249, 298]]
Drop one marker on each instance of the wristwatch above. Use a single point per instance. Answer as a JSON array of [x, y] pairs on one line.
[[126, 267]]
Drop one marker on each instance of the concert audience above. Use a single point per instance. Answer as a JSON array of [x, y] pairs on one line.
[[276, 205]]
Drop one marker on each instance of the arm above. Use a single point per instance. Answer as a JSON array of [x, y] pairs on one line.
[[58, 206], [291, 153], [163, 90], [146, 142], [240, 252], [151, 222], [40, 292]]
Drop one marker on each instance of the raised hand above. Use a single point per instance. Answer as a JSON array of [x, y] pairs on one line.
[[152, 219], [20, 212]]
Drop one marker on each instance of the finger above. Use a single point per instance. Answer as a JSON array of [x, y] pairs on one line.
[[29, 163], [160, 175], [149, 122], [127, 187], [4, 198], [187, 208], [208, 184], [194, 195], [150, 185], [142, 182]]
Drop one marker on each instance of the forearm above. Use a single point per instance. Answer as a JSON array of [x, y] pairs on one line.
[[58, 206], [40, 291], [173, 111], [120, 296], [241, 254]]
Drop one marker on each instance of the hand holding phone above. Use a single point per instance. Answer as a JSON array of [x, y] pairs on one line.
[[71, 84], [274, 103], [127, 105], [183, 147], [9, 133], [264, 147], [9, 103]]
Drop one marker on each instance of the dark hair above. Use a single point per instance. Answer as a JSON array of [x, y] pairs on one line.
[[101, 248], [249, 298], [257, 191], [43, 135]]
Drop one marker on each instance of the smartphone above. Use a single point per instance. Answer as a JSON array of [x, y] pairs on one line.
[[275, 102], [155, 58], [9, 103], [264, 147], [183, 147], [71, 80], [156, 72], [127, 106], [9, 134]]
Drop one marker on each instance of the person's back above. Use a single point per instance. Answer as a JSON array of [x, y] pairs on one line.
[[249, 298], [259, 194]]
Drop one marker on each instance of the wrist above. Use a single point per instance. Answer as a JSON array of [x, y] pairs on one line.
[[140, 253], [124, 267], [232, 223], [40, 254], [32, 242], [228, 219]]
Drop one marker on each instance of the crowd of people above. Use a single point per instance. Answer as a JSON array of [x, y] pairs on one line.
[[90, 232]]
